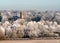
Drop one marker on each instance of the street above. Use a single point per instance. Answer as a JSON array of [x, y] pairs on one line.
[[30, 41]]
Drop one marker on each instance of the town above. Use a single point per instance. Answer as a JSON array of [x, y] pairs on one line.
[[29, 24]]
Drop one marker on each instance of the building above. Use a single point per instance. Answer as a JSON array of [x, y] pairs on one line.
[[23, 14]]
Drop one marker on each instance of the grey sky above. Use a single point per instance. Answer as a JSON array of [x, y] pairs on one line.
[[30, 4]]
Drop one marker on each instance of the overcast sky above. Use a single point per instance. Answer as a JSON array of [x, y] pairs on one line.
[[30, 4]]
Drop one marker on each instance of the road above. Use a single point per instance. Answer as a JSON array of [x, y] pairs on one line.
[[30, 41]]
